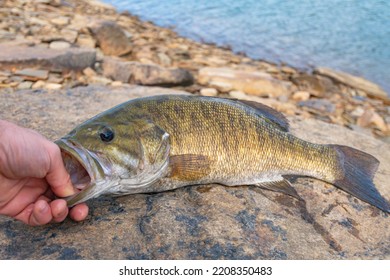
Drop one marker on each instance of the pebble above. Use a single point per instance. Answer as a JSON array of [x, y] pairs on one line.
[[53, 86], [59, 45], [208, 92], [116, 83], [370, 117], [38, 84], [25, 85], [221, 86], [89, 72], [301, 96], [61, 21], [85, 41], [238, 94]]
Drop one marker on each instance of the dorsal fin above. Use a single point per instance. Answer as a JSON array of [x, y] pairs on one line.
[[268, 113]]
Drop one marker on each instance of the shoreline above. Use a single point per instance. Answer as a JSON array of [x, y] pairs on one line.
[[324, 94]]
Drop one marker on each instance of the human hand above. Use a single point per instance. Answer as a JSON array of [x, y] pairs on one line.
[[32, 173]]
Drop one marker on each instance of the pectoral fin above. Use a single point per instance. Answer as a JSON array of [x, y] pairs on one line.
[[189, 167], [281, 185]]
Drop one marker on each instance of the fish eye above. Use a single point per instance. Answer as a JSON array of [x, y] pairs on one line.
[[106, 134]]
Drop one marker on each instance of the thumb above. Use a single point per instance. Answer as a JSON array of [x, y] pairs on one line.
[[57, 176]]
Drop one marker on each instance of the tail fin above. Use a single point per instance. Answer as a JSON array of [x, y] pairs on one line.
[[357, 179]]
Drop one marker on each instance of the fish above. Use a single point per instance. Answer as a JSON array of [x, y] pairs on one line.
[[160, 143]]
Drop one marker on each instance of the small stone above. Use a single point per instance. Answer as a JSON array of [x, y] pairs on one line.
[[321, 105], [301, 96], [165, 60], [38, 84], [53, 86], [116, 83], [208, 92], [25, 85], [358, 112], [61, 21], [288, 70], [33, 74], [111, 38], [100, 80], [59, 45], [370, 117], [221, 86], [89, 72], [69, 35], [238, 95], [86, 41]]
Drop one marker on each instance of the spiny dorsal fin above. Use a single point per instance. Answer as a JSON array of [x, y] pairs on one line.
[[268, 113], [189, 167]]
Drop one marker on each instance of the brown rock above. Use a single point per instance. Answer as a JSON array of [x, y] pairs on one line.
[[50, 59], [301, 96], [199, 222], [208, 92], [111, 38], [145, 74], [250, 82], [316, 85], [355, 82], [86, 41], [370, 117]]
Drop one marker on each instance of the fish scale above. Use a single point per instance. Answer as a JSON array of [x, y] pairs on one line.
[[160, 143]]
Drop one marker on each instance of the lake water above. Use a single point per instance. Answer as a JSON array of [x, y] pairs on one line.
[[347, 35]]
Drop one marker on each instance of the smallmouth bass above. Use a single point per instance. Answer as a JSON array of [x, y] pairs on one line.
[[160, 143]]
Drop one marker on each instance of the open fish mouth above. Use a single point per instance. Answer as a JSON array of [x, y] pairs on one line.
[[84, 168], [78, 173]]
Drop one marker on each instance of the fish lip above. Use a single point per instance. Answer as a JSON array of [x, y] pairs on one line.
[[91, 165]]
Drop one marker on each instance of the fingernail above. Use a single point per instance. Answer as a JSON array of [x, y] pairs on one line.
[[69, 190]]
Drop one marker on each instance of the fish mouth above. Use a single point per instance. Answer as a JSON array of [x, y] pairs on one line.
[[84, 168]]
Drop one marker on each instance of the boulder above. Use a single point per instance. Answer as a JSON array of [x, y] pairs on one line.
[[251, 82], [199, 222], [145, 74], [111, 38], [20, 57], [370, 88]]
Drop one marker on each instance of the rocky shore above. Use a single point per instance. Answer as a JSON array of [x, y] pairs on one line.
[[63, 61], [58, 44]]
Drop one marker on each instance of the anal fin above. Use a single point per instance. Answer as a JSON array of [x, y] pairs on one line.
[[281, 185]]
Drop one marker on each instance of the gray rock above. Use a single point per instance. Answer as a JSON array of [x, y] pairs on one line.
[[145, 74], [199, 222], [111, 38], [20, 57], [321, 105], [355, 82], [33, 74]]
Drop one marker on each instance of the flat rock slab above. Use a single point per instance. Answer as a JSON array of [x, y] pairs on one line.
[[199, 222], [355, 82], [145, 74], [19, 57]]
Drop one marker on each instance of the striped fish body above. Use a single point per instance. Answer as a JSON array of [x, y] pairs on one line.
[[159, 143]]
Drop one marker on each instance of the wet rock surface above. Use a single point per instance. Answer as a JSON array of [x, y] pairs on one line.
[[199, 222], [12, 57], [145, 74]]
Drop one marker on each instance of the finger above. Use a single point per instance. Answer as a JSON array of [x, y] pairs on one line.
[[59, 210], [41, 214], [79, 212], [57, 176]]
